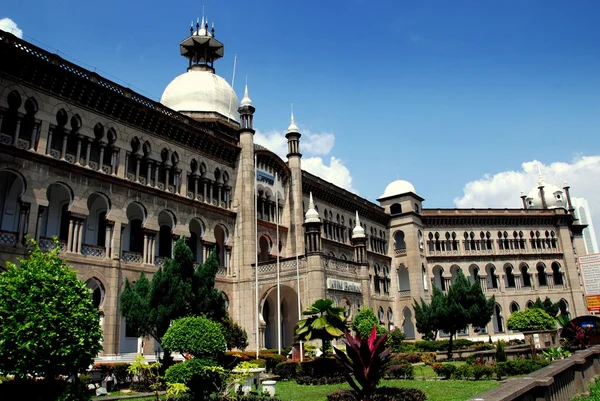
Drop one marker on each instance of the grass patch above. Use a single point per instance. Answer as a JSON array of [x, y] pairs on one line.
[[443, 390]]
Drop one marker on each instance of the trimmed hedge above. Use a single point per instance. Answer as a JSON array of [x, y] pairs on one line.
[[458, 344]]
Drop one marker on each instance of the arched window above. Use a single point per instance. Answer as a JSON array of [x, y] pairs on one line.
[[510, 278], [221, 237], [399, 243], [403, 279], [514, 307], [390, 316], [57, 215], [133, 236], [166, 223], [12, 187], [438, 277], [377, 283], [197, 229], [386, 279], [424, 277], [492, 278], [557, 274], [498, 319], [408, 327], [474, 273], [526, 277], [564, 308], [529, 304], [381, 315], [395, 209], [264, 244], [541, 271]]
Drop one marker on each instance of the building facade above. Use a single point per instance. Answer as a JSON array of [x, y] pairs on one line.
[[117, 178]]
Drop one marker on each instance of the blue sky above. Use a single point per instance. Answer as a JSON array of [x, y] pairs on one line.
[[440, 93]]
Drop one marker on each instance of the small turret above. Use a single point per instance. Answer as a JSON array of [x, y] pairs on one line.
[[312, 228], [293, 137], [359, 242], [246, 111]]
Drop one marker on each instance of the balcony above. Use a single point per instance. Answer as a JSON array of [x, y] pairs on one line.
[[131, 257], [93, 251], [47, 244], [8, 237]]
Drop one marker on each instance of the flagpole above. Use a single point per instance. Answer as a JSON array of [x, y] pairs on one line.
[[278, 282], [298, 277], [256, 258]]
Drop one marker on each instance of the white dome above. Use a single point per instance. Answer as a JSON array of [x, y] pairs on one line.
[[553, 195], [202, 91], [398, 187]]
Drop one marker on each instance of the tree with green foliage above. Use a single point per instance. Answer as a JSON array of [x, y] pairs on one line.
[[395, 339], [177, 290], [323, 321], [235, 335], [551, 308], [531, 319], [464, 304], [364, 321], [48, 323], [425, 320]]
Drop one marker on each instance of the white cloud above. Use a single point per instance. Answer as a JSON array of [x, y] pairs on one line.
[[315, 145], [8, 25], [503, 189], [335, 173]]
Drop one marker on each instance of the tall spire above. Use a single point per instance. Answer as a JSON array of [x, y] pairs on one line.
[[293, 127], [359, 231], [311, 216], [246, 101], [540, 177]]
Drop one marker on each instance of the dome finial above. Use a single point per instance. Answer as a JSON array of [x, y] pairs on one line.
[[540, 177], [246, 99], [311, 216], [293, 127], [358, 231]]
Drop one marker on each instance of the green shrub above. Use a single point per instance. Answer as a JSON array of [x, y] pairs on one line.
[[520, 366], [120, 370], [402, 370], [531, 319], [364, 321], [271, 359], [198, 336], [444, 370], [442, 345], [481, 370], [320, 367], [395, 339], [287, 370], [197, 374], [381, 394], [463, 372]]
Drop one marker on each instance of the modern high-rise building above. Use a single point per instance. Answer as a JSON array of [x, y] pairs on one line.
[[583, 213]]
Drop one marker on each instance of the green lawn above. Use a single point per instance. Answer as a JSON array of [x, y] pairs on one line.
[[441, 390]]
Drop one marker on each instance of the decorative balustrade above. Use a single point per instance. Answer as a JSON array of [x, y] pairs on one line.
[[23, 144], [55, 153], [107, 169], [222, 271], [131, 257], [340, 265], [47, 244], [93, 251], [8, 237], [400, 252], [288, 264], [70, 158], [404, 293], [5, 139], [93, 165], [159, 261], [131, 176]]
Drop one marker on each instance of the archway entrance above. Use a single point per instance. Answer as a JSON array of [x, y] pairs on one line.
[[289, 316]]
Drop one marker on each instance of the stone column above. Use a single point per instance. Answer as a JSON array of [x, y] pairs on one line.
[[17, 129], [33, 136], [78, 153], [107, 238], [149, 173], [101, 162], [38, 227], [122, 169], [483, 282], [145, 257], [63, 151], [45, 140], [518, 282], [138, 161], [152, 249], [167, 176], [114, 158], [24, 208], [70, 237], [550, 281], [219, 193], [156, 174], [204, 185], [195, 178], [79, 234], [210, 191], [88, 151], [182, 188], [115, 243]]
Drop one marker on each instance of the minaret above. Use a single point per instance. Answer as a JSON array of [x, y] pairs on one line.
[[566, 188], [295, 164], [315, 288], [541, 187], [359, 242], [245, 184], [312, 229]]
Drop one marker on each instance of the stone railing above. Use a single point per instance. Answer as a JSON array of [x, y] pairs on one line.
[[404, 293], [286, 265], [222, 271], [47, 244], [159, 261], [400, 252], [131, 257], [562, 380], [8, 237], [339, 264], [93, 251]]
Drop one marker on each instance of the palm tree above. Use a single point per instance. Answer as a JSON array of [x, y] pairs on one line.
[[323, 321]]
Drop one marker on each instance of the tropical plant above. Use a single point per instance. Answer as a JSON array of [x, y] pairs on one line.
[[364, 321], [48, 323], [530, 320], [365, 362], [553, 354], [148, 373], [563, 320], [464, 304], [395, 339], [551, 308], [324, 321], [578, 337], [177, 290]]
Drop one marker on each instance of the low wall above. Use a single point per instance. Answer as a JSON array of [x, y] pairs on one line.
[[560, 381]]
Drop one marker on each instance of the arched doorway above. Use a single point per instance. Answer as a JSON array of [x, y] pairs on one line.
[[12, 187], [289, 316], [264, 246], [408, 327]]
